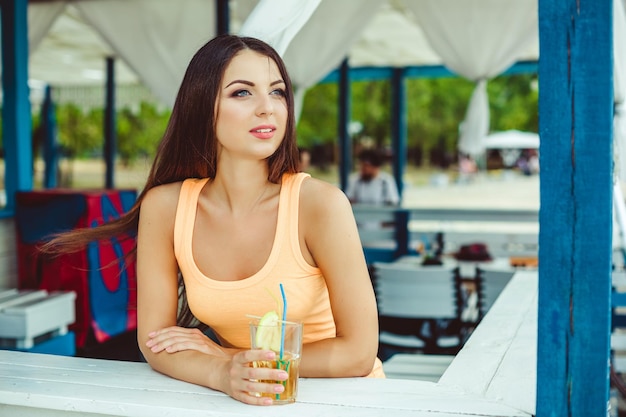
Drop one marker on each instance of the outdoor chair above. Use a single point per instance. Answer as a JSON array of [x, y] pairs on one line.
[[489, 284], [419, 308]]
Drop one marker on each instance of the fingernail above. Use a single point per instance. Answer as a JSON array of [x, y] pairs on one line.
[[278, 388], [283, 375], [270, 355], [267, 401]]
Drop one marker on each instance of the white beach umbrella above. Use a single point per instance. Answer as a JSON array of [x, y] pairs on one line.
[[511, 139]]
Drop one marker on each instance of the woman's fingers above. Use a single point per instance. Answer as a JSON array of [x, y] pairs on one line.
[[249, 384], [174, 339]]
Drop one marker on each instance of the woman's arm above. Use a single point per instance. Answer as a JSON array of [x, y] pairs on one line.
[[331, 238], [160, 341]]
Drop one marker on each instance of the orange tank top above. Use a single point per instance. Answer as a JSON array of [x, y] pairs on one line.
[[225, 305]]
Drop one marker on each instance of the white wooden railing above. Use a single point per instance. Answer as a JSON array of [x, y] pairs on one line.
[[493, 375]]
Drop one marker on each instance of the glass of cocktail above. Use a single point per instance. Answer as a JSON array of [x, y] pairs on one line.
[[285, 339]]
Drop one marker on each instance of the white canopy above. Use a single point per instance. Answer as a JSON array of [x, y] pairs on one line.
[[67, 49]]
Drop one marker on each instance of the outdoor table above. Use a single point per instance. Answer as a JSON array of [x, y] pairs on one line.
[[46, 385]]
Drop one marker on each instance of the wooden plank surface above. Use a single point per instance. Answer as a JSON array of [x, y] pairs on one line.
[[46, 385]]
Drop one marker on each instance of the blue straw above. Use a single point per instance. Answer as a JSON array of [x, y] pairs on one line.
[[282, 333]]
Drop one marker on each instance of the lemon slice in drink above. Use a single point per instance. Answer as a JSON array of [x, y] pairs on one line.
[[268, 332]]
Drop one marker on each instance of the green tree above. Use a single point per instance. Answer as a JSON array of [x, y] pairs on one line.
[[371, 106], [514, 103], [319, 117], [139, 133], [80, 133], [435, 108]]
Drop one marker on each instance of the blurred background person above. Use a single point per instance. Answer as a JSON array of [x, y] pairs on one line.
[[467, 168], [371, 185]]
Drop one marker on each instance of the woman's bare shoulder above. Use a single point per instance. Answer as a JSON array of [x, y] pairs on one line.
[[322, 197], [162, 197]]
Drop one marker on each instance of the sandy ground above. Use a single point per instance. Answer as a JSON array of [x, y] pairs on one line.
[[497, 190]]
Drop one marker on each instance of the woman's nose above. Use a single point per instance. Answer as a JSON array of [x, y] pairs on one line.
[[265, 106]]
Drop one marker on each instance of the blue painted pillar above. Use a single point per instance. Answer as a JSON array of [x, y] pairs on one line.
[[402, 217], [110, 126], [222, 13], [345, 141], [50, 145], [399, 126], [575, 125], [16, 118]]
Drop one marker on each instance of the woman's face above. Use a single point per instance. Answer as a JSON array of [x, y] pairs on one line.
[[251, 107]]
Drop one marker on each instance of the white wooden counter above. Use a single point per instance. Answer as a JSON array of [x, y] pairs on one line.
[[499, 361], [498, 383]]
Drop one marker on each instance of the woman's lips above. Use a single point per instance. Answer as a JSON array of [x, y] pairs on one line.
[[263, 132]]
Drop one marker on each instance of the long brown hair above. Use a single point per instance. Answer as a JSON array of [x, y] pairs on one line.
[[189, 145], [188, 148]]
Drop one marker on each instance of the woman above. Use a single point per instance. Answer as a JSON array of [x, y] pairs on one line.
[[225, 207]]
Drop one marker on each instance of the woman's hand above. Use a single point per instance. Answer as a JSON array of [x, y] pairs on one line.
[[248, 384], [175, 339], [239, 379]]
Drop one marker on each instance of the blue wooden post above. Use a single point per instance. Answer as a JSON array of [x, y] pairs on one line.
[[345, 141], [50, 145], [16, 119], [398, 126], [222, 15], [576, 110], [110, 125]]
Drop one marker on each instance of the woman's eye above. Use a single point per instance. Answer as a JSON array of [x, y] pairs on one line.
[[279, 92], [241, 93]]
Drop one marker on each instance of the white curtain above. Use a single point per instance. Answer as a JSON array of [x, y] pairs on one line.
[[392, 39], [41, 16], [287, 17], [156, 38], [322, 40], [477, 40], [326, 39]]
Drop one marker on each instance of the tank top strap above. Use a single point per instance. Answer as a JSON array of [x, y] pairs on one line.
[[291, 184], [288, 220], [186, 211]]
